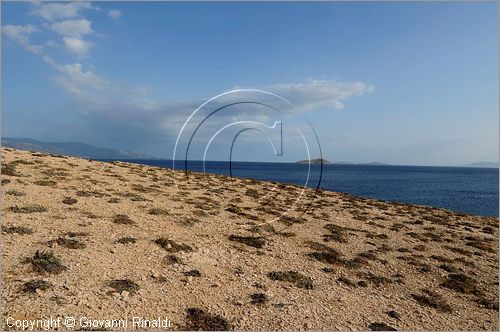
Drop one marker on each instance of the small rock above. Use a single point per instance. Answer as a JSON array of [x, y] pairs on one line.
[[125, 294]]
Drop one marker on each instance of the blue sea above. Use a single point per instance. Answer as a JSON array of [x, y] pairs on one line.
[[461, 189]]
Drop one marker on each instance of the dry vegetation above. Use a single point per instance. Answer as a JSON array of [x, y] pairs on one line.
[[86, 238]]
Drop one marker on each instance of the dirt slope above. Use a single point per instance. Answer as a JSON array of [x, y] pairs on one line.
[[107, 241]]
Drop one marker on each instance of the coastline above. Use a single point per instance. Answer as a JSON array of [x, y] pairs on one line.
[[354, 259]]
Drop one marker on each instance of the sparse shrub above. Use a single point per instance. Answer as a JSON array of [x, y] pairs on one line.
[[10, 170], [433, 300], [252, 193], [172, 246], [370, 255], [375, 279], [441, 259], [448, 268], [85, 193], [393, 314], [90, 215], [32, 286], [256, 242], [158, 212], [121, 285], [68, 243], [46, 262], [347, 281], [380, 327], [362, 283], [123, 219], [69, 200], [337, 233], [461, 283], [258, 298], [198, 320], [14, 192], [22, 230], [235, 209], [172, 259], [189, 221], [290, 220], [294, 277], [480, 244], [192, 273], [488, 230], [487, 303], [377, 236], [48, 183], [200, 213], [142, 189], [420, 247], [76, 234], [327, 257], [286, 234], [126, 240], [459, 251], [31, 208]]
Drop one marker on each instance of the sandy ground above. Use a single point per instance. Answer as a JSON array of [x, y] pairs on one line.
[[113, 241]]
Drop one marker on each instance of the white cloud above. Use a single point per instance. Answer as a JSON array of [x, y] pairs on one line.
[[314, 94], [77, 46], [115, 14], [21, 35], [53, 11], [78, 82], [98, 93], [51, 43], [73, 28]]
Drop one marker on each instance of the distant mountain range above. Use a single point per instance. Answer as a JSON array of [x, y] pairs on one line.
[[75, 149], [327, 162], [83, 150], [484, 164], [351, 163]]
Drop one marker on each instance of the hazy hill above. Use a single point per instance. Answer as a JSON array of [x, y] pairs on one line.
[[485, 164], [70, 148], [314, 161]]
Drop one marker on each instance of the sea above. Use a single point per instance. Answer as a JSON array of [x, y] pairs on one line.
[[461, 189]]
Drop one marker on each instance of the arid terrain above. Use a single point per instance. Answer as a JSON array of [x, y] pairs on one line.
[[111, 240]]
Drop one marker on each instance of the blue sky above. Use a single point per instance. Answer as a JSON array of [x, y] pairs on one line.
[[403, 83]]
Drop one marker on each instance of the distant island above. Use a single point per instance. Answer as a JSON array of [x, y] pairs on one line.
[[314, 161], [75, 149]]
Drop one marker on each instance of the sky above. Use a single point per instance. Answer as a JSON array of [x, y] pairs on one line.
[[401, 83]]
